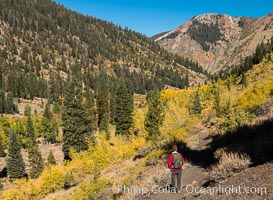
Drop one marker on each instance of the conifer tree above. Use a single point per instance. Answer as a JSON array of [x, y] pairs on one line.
[[75, 127], [36, 161], [196, 107], [244, 80], [48, 125], [2, 101], [30, 136], [123, 109], [90, 115], [56, 108], [47, 112], [112, 109], [49, 130], [187, 80], [103, 109], [155, 115], [15, 163], [9, 104], [27, 111], [51, 159], [2, 153], [16, 108]]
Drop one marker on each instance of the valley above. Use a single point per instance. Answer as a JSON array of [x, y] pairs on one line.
[[88, 107]]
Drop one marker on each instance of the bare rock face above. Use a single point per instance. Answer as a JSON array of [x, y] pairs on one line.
[[216, 41]]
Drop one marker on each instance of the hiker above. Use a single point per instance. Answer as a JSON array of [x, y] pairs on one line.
[[175, 163]]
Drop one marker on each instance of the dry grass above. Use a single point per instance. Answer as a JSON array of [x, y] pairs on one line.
[[229, 163]]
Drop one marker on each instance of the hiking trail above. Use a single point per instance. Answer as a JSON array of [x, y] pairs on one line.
[[199, 157]]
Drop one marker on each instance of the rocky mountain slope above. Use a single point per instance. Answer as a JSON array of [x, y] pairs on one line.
[[218, 42]]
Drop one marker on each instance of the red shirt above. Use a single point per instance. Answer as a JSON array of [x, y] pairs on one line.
[[170, 162]]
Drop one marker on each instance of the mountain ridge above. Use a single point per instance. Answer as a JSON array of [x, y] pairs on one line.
[[218, 41]]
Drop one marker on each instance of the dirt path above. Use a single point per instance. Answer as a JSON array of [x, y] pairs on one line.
[[191, 176], [195, 175]]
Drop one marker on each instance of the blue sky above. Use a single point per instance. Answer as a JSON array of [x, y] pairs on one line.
[[151, 17]]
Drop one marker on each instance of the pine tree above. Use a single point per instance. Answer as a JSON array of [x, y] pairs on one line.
[[16, 108], [196, 107], [51, 159], [123, 109], [48, 125], [49, 130], [187, 80], [112, 109], [75, 127], [47, 112], [27, 111], [2, 101], [36, 161], [2, 153], [103, 109], [155, 115], [30, 136], [244, 80], [15, 163], [56, 108], [9, 104], [90, 115]]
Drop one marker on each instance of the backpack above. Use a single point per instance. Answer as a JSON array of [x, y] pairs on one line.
[[177, 162]]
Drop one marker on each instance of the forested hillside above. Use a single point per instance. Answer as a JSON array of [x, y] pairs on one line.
[[43, 43]]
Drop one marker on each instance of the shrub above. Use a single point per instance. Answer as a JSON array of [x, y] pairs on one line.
[[153, 157], [229, 163], [1, 184], [51, 179], [69, 180], [91, 190], [100, 157], [81, 164], [13, 194], [235, 119]]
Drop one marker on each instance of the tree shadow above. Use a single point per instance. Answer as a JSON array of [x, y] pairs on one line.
[[4, 172], [256, 141]]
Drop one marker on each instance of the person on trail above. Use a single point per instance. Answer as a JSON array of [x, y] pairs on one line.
[[175, 163]]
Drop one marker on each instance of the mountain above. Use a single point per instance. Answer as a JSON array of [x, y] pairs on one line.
[[42, 43], [159, 35], [218, 42]]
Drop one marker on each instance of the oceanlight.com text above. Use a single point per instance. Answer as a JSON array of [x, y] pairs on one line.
[[226, 190]]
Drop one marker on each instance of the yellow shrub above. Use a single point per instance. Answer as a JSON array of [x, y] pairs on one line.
[[80, 166], [50, 180], [100, 157], [4, 137], [90, 190], [139, 142], [155, 154], [13, 194], [22, 189]]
